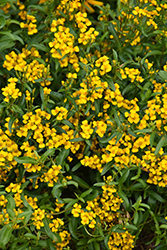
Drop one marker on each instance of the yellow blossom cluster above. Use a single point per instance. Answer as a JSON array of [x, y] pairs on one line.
[[10, 91], [105, 208], [88, 37], [122, 241], [65, 239], [52, 175], [67, 7], [38, 216], [9, 149], [61, 111], [133, 74], [31, 71], [14, 61], [23, 12], [104, 65], [86, 130], [32, 27], [62, 47], [92, 162]]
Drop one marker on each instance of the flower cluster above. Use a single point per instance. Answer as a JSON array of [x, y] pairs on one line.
[[30, 25]]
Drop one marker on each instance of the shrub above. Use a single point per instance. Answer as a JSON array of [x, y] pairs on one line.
[[83, 134]]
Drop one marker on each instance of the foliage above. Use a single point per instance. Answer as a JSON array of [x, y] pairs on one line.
[[83, 116]]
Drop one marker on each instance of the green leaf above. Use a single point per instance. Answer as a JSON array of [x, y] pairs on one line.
[[156, 196], [88, 107], [76, 167], [6, 45], [12, 36], [128, 88], [71, 203], [11, 121], [117, 229], [116, 118], [33, 176], [77, 139], [124, 197], [96, 245], [119, 136], [88, 143], [105, 140], [125, 174], [130, 227], [14, 21], [136, 217], [106, 168], [72, 183], [142, 182], [163, 226], [30, 236], [145, 205], [7, 1], [73, 227], [151, 53], [106, 239], [40, 47], [80, 181], [56, 96], [5, 235], [92, 196], [69, 124], [56, 192], [82, 242], [99, 184], [111, 28], [26, 213], [10, 206], [42, 243], [110, 82], [137, 203], [71, 99], [49, 152], [136, 186], [35, 39], [25, 159], [159, 145], [50, 244], [97, 107], [17, 109], [152, 136], [62, 156], [86, 193], [103, 36], [115, 56], [3, 105], [145, 130], [23, 246], [54, 236], [2, 21], [41, 93], [163, 74]]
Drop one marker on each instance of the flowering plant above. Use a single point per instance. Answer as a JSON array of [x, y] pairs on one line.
[[83, 128]]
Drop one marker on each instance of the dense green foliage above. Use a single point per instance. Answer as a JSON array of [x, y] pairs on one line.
[[83, 125]]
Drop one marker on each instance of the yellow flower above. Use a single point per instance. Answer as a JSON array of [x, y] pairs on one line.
[[92, 2]]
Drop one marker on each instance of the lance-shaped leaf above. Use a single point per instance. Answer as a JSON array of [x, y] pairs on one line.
[[159, 145], [25, 159], [5, 235]]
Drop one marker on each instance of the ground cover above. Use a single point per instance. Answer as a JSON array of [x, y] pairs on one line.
[[83, 125]]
